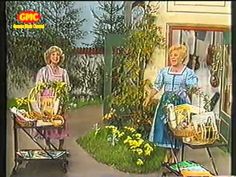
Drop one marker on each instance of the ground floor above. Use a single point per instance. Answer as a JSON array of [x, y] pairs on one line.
[[81, 164]]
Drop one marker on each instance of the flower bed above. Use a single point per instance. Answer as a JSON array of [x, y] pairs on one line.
[[123, 149]]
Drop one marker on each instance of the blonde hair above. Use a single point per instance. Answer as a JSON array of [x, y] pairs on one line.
[[50, 51], [181, 48]]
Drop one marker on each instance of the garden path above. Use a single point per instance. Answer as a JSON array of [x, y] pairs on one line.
[[81, 164]]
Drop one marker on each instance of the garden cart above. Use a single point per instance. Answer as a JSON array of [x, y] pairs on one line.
[[34, 120]]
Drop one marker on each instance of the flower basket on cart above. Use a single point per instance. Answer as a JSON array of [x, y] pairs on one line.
[[192, 124], [179, 119], [40, 112], [43, 109], [198, 128]]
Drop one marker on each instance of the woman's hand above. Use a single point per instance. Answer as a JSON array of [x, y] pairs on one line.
[[149, 98], [147, 101]]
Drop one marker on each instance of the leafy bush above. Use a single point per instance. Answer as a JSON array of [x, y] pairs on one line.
[[128, 92]]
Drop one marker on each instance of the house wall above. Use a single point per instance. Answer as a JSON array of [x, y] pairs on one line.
[[193, 13]]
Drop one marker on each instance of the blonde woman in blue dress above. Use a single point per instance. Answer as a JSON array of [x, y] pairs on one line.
[[175, 80]]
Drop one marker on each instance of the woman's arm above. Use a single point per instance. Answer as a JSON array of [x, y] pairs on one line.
[[42, 75], [39, 76], [152, 93], [191, 79], [158, 84], [66, 79]]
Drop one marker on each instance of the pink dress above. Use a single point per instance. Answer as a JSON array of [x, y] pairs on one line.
[[46, 74]]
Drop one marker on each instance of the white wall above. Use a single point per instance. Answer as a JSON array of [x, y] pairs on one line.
[[193, 13]]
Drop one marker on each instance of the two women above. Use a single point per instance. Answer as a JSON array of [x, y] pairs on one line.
[[174, 79]]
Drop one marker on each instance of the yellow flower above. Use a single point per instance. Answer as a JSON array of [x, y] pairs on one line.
[[107, 116], [110, 127], [115, 131], [104, 117], [139, 151], [138, 135], [147, 152], [148, 149], [134, 143], [121, 134], [131, 129], [19, 101], [147, 145], [139, 162], [113, 110], [140, 141], [127, 139]]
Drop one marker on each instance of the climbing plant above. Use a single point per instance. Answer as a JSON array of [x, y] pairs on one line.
[[128, 93]]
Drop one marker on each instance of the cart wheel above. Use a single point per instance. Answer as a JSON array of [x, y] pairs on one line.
[[64, 166], [20, 162], [67, 153], [13, 171], [163, 174]]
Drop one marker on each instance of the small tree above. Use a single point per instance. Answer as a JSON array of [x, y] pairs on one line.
[[110, 19], [128, 96]]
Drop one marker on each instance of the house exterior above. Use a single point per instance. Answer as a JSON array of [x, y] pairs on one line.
[[188, 13], [207, 16]]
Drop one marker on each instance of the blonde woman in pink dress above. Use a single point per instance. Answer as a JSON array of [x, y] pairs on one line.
[[53, 72]]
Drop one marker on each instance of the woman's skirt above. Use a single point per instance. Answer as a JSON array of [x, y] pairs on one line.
[[160, 133], [55, 132]]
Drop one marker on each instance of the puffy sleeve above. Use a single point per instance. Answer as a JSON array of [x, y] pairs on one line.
[[40, 76], [159, 81], [191, 79]]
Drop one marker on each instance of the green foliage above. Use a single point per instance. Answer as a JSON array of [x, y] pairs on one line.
[[72, 103], [128, 92], [108, 20], [99, 144], [88, 74], [60, 90], [26, 46]]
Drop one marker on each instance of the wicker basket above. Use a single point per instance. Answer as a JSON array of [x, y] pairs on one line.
[[48, 106], [206, 132], [179, 121], [188, 131], [24, 123], [48, 103]]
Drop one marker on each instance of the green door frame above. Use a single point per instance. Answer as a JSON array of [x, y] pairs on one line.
[[111, 40]]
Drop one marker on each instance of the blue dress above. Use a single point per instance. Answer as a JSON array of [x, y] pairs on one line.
[[175, 86]]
